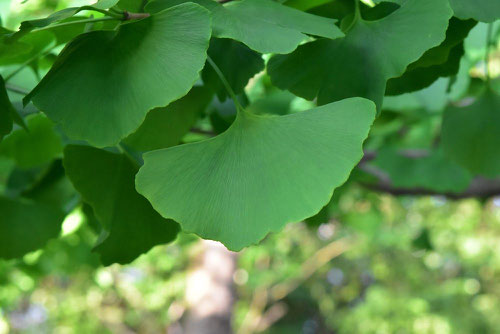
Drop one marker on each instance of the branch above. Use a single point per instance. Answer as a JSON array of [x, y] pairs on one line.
[[479, 186]]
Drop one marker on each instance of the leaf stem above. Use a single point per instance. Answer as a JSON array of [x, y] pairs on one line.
[[357, 15], [99, 19], [226, 84]]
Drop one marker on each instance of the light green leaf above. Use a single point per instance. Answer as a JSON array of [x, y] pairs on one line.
[[263, 25], [479, 10], [264, 172], [371, 53], [35, 147], [26, 226], [165, 127], [471, 135], [106, 182], [104, 82]]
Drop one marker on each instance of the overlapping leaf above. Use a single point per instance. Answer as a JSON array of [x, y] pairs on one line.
[[371, 53], [263, 25], [471, 135], [104, 82], [480, 10], [237, 62], [165, 127], [8, 114], [263, 172], [26, 226], [106, 182]]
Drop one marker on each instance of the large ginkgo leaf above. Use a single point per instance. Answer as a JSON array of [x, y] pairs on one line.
[[106, 182], [371, 53], [471, 135], [263, 172], [480, 10], [263, 25], [104, 82], [26, 226]]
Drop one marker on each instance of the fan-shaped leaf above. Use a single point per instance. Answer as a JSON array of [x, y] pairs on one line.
[[371, 53], [104, 82], [264, 172], [480, 10], [263, 25], [106, 182]]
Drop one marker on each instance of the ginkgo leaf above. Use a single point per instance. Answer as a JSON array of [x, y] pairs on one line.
[[471, 135], [371, 53], [7, 111], [26, 226], [263, 172], [263, 25], [34, 147], [104, 82], [106, 182], [165, 127], [27, 26], [479, 10], [433, 172]]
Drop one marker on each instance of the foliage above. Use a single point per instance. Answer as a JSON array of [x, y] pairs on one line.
[[151, 120]]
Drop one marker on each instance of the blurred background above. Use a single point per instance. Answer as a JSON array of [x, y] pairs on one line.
[[370, 262]]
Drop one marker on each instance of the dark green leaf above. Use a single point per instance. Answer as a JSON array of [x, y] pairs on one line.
[[371, 53], [26, 226], [104, 82], [106, 182]]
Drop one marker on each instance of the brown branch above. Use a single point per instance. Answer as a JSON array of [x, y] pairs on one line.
[[479, 187]]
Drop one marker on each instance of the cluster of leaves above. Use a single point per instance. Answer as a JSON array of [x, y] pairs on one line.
[[109, 125]]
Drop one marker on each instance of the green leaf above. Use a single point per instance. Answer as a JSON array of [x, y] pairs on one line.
[[479, 10], [35, 147], [433, 172], [26, 226], [104, 82], [263, 25], [11, 49], [470, 135], [106, 182], [237, 62], [165, 127], [264, 172], [27, 26], [371, 53], [440, 61], [6, 111]]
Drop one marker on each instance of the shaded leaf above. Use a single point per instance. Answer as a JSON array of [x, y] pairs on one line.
[[106, 182], [470, 135], [237, 62], [371, 53], [263, 25], [165, 127], [26, 226], [35, 147], [97, 98], [480, 10], [264, 172]]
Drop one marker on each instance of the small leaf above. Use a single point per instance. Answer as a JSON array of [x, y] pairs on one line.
[[165, 127], [471, 135], [479, 10], [264, 172], [263, 25], [106, 182], [26, 226], [35, 147], [104, 82], [371, 53]]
